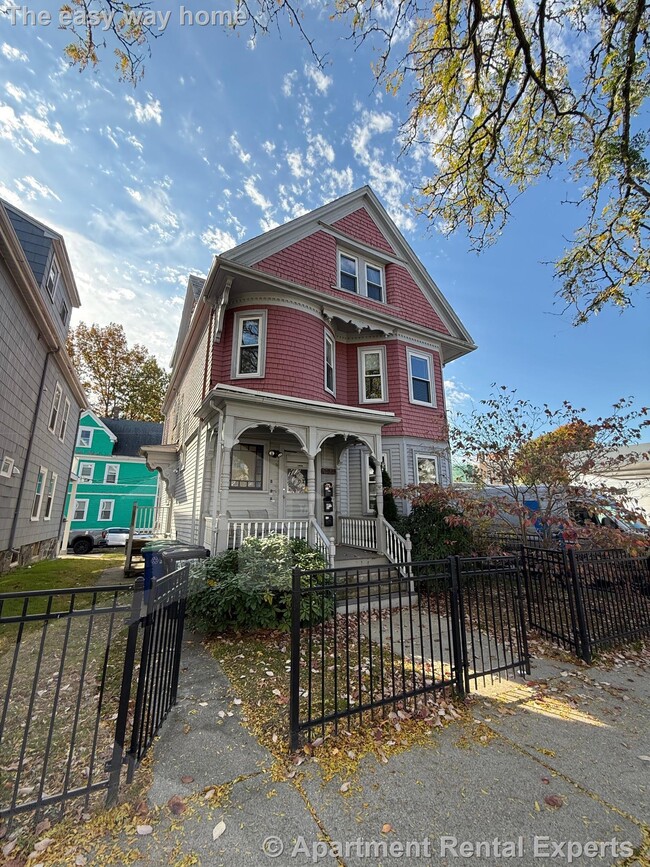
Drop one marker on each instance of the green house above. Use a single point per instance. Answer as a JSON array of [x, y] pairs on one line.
[[111, 474]]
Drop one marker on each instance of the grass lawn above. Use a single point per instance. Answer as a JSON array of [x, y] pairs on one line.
[[61, 573]]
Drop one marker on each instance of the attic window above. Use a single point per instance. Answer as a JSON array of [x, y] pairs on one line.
[[52, 279], [361, 277]]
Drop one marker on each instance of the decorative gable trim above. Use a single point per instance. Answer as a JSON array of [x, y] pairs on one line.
[[88, 413], [360, 248]]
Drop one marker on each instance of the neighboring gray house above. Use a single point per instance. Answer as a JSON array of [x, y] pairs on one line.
[[40, 392]]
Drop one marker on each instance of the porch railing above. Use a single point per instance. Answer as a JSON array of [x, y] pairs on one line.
[[397, 548], [242, 529], [325, 547], [359, 533]]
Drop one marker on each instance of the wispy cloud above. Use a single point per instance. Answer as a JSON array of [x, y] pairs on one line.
[[26, 129], [318, 78], [146, 112], [217, 240], [238, 150], [15, 92], [12, 53], [288, 82], [31, 189]]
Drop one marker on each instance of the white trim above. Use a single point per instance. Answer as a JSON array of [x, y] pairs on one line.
[[38, 494], [77, 502], [361, 353], [117, 473], [49, 499], [412, 353], [54, 409], [101, 507], [81, 431], [330, 340], [6, 468], [99, 423], [436, 463], [361, 265], [382, 280], [63, 427], [82, 478], [240, 317], [343, 254]]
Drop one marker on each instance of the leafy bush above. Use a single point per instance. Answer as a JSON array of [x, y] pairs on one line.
[[251, 588]]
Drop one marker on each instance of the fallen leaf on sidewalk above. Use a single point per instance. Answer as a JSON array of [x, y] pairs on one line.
[[218, 830], [144, 830], [386, 828], [187, 779], [177, 805], [645, 758], [554, 801], [344, 788]]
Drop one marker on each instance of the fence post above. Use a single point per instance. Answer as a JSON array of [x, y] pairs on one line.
[[459, 648], [125, 693], [294, 678], [585, 642], [524, 567], [521, 568]]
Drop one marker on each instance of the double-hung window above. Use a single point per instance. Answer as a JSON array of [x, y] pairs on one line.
[[421, 386], [372, 374], [49, 500], [106, 510], [250, 335], [426, 470], [38, 494], [64, 419], [80, 510], [330, 363], [86, 472], [361, 277], [111, 473], [85, 438], [54, 412], [52, 278]]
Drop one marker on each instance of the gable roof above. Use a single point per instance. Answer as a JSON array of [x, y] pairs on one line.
[[133, 434], [262, 246], [100, 424]]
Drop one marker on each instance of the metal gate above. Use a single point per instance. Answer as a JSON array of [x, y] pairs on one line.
[[70, 662], [397, 636]]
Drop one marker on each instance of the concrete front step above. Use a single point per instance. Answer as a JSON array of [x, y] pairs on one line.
[[375, 602]]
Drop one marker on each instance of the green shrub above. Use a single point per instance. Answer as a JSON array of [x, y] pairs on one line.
[[250, 588]]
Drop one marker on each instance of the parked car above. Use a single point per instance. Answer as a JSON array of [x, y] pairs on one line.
[[83, 541], [118, 536]]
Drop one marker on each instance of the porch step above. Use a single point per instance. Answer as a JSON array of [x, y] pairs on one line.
[[358, 558], [382, 595]]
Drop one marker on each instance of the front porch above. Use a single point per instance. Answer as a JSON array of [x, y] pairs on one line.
[[281, 465]]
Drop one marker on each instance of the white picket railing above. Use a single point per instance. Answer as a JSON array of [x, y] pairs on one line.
[[325, 547], [359, 533], [396, 547], [242, 529]]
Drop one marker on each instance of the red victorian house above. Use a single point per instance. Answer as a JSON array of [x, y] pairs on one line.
[[309, 356]]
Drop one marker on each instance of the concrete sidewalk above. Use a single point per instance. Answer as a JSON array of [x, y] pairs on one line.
[[577, 734]]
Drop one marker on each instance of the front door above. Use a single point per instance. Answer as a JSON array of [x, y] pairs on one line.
[[295, 485]]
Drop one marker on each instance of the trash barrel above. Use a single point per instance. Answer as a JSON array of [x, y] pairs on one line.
[[153, 561], [173, 557]]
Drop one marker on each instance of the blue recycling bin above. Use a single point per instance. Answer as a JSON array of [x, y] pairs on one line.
[[154, 566]]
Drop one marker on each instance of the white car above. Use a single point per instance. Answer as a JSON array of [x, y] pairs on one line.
[[116, 536]]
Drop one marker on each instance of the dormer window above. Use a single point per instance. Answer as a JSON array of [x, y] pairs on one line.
[[52, 279], [361, 277]]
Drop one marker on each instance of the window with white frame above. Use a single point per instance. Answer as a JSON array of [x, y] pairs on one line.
[[86, 472], [38, 493], [64, 419], [63, 312], [247, 466], [52, 278], [426, 470], [111, 473], [49, 499], [330, 363], [54, 411], [372, 375], [7, 466], [106, 510], [85, 437], [361, 277], [80, 510], [370, 485], [421, 387], [250, 331]]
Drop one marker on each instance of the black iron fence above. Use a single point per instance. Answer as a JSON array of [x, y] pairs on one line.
[[399, 636], [70, 661], [584, 600]]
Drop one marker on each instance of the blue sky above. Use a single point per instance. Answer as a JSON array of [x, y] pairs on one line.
[[225, 138]]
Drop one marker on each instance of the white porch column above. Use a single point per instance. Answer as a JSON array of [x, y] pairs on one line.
[[311, 486], [68, 519], [224, 486], [379, 492]]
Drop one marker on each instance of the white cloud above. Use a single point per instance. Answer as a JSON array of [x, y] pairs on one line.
[[268, 147], [154, 202], [318, 78], [217, 240], [294, 161], [239, 150], [455, 395], [15, 92], [31, 189], [256, 197], [25, 129], [288, 82], [132, 140], [12, 53], [144, 112], [385, 178]]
